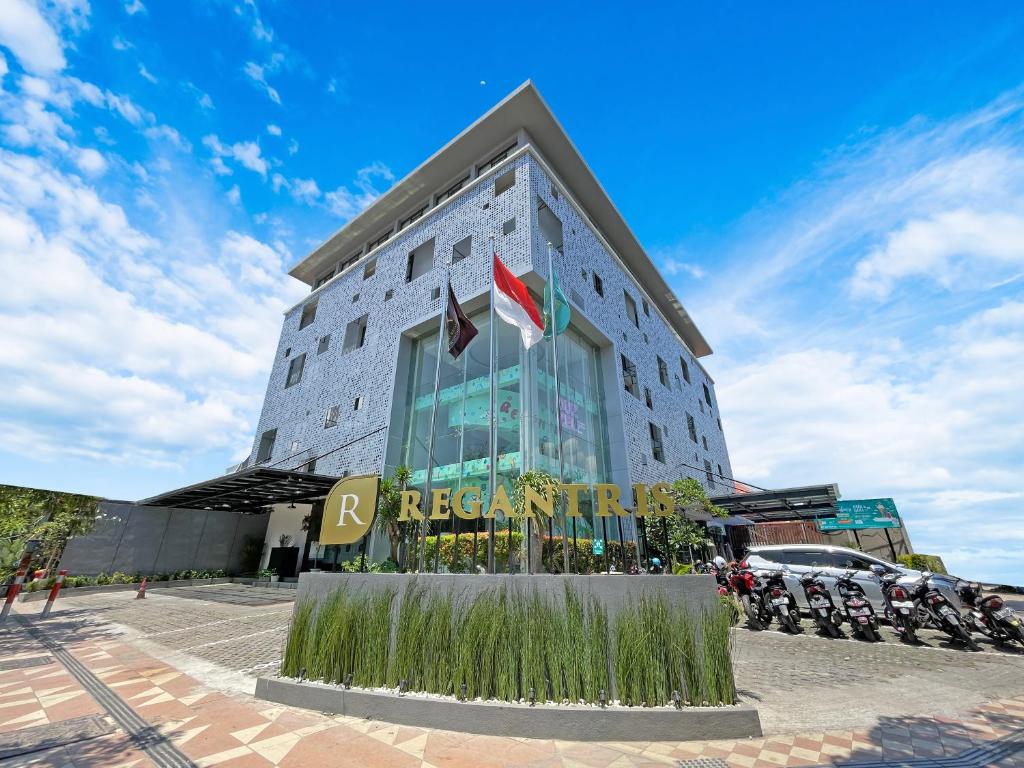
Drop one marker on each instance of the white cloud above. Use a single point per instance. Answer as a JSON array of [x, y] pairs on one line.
[[257, 74], [674, 267], [120, 44], [274, 130], [245, 153], [133, 7], [3, 65], [293, 147], [205, 101], [946, 248], [30, 38], [146, 74], [235, 195], [91, 161], [345, 203], [305, 191]]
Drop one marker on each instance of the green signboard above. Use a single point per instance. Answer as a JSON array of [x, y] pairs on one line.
[[597, 546], [862, 513]]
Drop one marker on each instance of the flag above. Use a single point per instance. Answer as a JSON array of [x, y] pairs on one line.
[[460, 330], [562, 311], [513, 304]]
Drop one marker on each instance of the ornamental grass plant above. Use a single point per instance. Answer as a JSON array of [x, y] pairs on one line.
[[502, 642]]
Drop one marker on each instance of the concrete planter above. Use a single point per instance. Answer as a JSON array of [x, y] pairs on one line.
[[543, 721], [42, 594]]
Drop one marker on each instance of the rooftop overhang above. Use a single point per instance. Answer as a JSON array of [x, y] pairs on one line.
[[522, 109], [812, 502], [250, 491]]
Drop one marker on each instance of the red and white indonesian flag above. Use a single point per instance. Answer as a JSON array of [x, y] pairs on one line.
[[513, 304]]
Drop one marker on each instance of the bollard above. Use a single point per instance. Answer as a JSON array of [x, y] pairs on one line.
[[53, 593], [15, 588], [141, 594]]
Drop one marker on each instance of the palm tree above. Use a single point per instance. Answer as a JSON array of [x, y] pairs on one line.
[[388, 507]]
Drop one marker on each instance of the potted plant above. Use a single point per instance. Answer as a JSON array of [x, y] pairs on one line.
[[265, 574]]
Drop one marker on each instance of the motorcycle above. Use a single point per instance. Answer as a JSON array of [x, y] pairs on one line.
[[900, 608], [750, 590], [823, 610], [782, 601], [942, 614], [858, 608], [990, 615]]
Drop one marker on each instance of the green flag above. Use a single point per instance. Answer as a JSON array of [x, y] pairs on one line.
[[562, 310]]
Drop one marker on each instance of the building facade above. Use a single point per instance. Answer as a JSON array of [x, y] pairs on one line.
[[351, 389]]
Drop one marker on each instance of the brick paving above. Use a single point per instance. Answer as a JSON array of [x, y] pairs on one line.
[[229, 728]]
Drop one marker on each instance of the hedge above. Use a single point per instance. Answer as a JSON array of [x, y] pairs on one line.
[[584, 562]]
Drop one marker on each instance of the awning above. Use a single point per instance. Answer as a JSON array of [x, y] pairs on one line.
[[729, 522], [250, 491], [812, 502]]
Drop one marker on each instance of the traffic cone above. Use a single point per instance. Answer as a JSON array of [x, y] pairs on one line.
[[141, 594]]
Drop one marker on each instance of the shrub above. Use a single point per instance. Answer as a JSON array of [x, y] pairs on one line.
[[921, 562], [120, 578], [102, 579], [682, 569]]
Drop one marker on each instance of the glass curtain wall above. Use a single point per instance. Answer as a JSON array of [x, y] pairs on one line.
[[526, 407]]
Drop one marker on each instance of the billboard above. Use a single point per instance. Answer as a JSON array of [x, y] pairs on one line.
[[862, 513]]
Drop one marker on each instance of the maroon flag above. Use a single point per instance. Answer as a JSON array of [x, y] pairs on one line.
[[460, 330]]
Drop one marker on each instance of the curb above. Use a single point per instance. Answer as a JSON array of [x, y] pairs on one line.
[[41, 594], [544, 721]]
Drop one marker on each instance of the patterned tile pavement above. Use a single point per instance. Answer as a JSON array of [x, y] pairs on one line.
[[231, 729]]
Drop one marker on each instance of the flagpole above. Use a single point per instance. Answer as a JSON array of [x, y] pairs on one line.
[[492, 477], [427, 505], [558, 411]]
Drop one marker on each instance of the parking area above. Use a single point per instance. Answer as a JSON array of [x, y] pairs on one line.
[[233, 594]]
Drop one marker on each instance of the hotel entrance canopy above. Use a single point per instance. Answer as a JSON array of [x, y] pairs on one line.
[[811, 502], [251, 491]]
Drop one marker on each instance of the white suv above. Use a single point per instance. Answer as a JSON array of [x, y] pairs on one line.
[[799, 559]]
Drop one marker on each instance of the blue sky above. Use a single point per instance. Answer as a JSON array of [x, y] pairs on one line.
[[836, 194]]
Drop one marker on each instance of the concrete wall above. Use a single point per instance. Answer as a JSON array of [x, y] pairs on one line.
[[136, 539]]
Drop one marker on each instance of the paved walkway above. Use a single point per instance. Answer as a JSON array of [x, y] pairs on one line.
[[142, 704]]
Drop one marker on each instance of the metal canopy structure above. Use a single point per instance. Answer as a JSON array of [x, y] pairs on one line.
[[250, 491], [810, 502]]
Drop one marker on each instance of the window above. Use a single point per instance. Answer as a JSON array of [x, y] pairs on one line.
[[691, 427], [287, 351], [295, 446], [719, 424], [325, 343], [266, 446], [412, 217], [451, 190], [631, 309], [378, 241], [355, 334], [355, 298], [701, 404], [295, 370], [421, 261], [509, 226], [550, 226], [679, 384], [657, 449], [646, 340], [647, 309], [462, 249], [357, 405], [505, 182], [598, 285], [663, 373], [704, 440], [686, 370], [484, 167], [331, 417], [370, 269], [320, 281], [707, 394], [389, 294], [707, 472], [554, 192], [435, 293], [629, 377], [647, 398], [308, 315], [310, 467], [348, 262], [720, 474]]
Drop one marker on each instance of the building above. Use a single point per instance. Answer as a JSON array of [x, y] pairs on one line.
[[351, 387]]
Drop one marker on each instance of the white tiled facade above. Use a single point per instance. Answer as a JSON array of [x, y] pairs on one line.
[[373, 371]]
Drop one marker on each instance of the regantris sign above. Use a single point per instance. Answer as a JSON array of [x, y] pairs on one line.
[[352, 503]]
